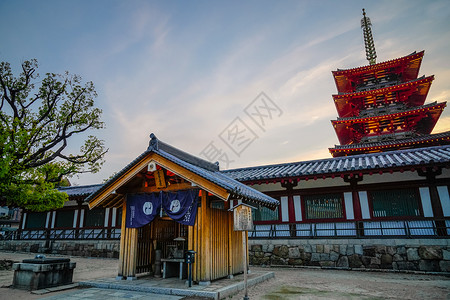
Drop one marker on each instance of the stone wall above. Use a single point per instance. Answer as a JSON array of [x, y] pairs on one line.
[[431, 255], [97, 248]]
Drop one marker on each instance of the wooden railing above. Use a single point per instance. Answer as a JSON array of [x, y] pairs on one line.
[[355, 229], [64, 234]]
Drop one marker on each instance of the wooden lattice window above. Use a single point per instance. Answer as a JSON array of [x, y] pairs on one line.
[[395, 203], [36, 219], [64, 219], [118, 217], [326, 206], [218, 204], [265, 214], [94, 217]]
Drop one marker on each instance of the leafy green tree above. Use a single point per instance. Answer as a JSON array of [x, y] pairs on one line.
[[38, 116]]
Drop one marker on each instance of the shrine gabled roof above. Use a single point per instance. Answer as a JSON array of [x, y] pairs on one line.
[[197, 166], [337, 166], [380, 65]]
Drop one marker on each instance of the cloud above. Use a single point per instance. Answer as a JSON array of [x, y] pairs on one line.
[[186, 81], [442, 125]]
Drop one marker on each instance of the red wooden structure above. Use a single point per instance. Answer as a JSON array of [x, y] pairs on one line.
[[381, 107]]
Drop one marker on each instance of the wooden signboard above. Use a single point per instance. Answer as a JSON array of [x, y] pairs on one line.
[[243, 222], [160, 181], [243, 218]]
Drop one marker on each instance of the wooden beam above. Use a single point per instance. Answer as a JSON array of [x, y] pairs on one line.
[[117, 202], [112, 200], [152, 189], [121, 181], [192, 177]]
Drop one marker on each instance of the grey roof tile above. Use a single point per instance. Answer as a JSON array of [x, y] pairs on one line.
[[231, 179], [84, 190], [337, 165]]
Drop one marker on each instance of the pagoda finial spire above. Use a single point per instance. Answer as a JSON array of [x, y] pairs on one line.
[[366, 25]]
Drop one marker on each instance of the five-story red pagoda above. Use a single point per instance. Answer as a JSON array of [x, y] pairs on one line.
[[381, 106]]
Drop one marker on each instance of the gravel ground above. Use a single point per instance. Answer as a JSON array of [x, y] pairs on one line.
[[339, 284], [288, 283]]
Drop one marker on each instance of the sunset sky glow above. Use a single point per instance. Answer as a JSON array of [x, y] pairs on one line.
[[185, 70]]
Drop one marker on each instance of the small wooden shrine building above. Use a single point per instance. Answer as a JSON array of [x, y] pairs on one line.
[[163, 170]]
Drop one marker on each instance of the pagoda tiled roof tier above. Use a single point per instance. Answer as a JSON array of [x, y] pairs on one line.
[[412, 93], [420, 120], [428, 140], [399, 160], [402, 69]]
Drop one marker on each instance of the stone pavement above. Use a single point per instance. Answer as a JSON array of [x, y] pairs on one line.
[[159, 288], [108, 294], [218, 289]]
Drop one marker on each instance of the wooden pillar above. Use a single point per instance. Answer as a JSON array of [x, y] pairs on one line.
[[289, 186], [190, 238], [438, 213], [245, 267], [230, 244], [195, 245], [79, 208], [205, 248], [23, 218], [128, 248], [122, 242], [132, 254], [356, 205], [357, 213]]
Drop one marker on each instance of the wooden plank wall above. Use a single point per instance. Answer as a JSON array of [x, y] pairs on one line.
[[218, 246], [127, 256], [219, 243], [194, 242]]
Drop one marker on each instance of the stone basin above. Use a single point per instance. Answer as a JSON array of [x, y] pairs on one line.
[[41, 273], [45, 260]]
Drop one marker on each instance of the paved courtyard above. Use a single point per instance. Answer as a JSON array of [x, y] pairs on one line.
[[107, 294], [288, 283]]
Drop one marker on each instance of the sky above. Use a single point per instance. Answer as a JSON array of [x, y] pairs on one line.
[[192, 72]]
